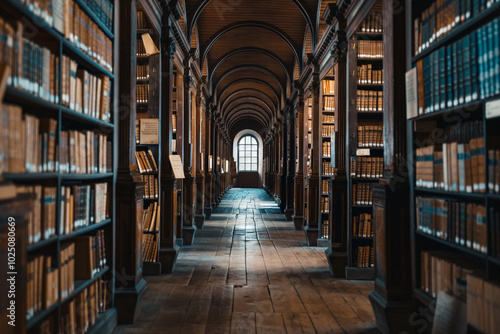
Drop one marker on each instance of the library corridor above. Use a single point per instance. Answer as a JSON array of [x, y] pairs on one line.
[[250, 271]]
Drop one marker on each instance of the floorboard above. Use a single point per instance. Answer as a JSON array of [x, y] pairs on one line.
[[250, 271]]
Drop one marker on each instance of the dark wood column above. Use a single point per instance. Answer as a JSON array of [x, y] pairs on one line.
[[199, 214], [290, 119], [284, 167], [168, 184], [130, 285], [391, 299], [188, 184], [215, 183], [313, 179], [337, 251], [207, 140], [298, 216]]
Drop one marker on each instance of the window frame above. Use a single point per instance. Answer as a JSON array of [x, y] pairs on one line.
[[250, 151]]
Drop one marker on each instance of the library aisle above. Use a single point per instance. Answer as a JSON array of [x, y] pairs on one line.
[[250, 271]]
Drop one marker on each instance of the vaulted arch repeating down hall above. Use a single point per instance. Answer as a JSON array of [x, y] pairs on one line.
[[242, 166]]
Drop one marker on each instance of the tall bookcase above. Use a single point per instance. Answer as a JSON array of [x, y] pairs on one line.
[[365, 118], [327, 142], [454, 151], [59, 122], [148, 138], [308, 137]]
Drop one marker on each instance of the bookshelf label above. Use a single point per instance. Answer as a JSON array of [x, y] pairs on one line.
[[177, 167], [149, 131], [411, 93], [493, 109], [360, 152]]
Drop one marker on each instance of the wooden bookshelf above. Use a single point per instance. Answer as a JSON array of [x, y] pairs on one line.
[[308, 145], [328, 150], [456, 90], [76, 183], [148, 149], [365, 149]]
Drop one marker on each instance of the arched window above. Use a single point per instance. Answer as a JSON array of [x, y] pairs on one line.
[[248, 149]]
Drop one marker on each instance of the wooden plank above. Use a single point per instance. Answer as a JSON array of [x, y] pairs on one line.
[[221, 307], [358, 302], [243, 323], [197, 313], [253, 298], [285, 299], [201, 274], [298, 323], [255, 266], [269, 323], [173, 313], [322, 319]]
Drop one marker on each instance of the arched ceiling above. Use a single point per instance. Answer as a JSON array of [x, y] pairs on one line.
[[249, 51]]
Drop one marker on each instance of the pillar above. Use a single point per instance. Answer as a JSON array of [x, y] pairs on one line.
[[298, 216]]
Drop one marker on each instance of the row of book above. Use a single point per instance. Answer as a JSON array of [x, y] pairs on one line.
[[362, 194], [142, 93], [370, 101], [329, 103], [328, 118], [141, 49], [83, 205], [327, 149], [142, 20], [327, 130], [364, 257], [90, 255], [362, 226], [441, 17], [462, 72], [47, 283], [29, 145], [328, 86], [81, 313], [455, 221], [84, 152], [150, 186], [324, 186], [34, 69], [325, 207], [41, 220], [86, 35], [450, 273], [459, 164], [103, 9], [370, 49], [142, 72], [373, 23], [325, 229], [151, 218], [174, 122], [146, 161], [368, 76], [367, 167], [84, 92], [328, 169], [150, 248], [42, 289], [370, 136]]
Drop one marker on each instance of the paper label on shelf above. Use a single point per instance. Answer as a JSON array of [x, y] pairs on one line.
[[177, 167], [411, 93], [493, 109], [149, 131], [362, 152]]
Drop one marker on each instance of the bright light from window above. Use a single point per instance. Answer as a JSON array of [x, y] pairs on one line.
[[247, 153]]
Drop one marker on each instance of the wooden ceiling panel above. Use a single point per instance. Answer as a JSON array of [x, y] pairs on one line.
[[251, 58], [250, 74], [248, 93], [250, 85]]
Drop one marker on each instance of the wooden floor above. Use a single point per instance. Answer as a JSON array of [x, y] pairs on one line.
[[249, 271]]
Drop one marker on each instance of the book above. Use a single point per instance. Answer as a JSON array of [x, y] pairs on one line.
[[458, 222]]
